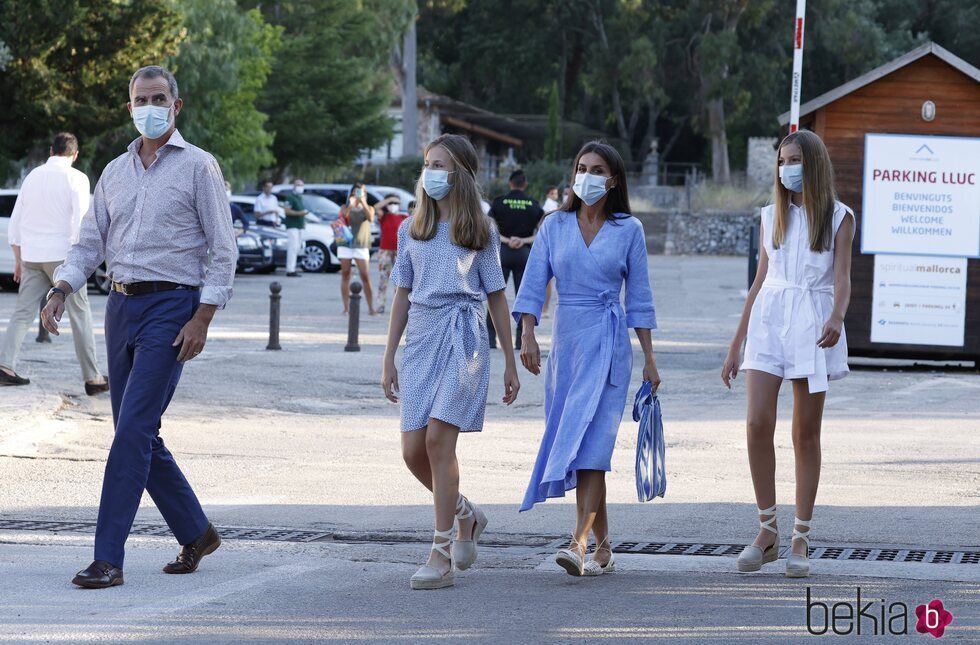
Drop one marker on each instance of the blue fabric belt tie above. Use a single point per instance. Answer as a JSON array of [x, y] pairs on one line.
[[611, 340]]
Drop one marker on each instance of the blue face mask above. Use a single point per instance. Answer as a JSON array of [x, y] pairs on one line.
[[152, 121], [436, 183], [590, 188], [792, 177]]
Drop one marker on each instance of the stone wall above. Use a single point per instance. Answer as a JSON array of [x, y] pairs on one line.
[[699, 233]]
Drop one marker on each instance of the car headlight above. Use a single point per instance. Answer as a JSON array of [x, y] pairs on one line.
[[282, 243], [247, 243]]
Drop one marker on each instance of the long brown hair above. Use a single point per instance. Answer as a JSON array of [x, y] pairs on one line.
[[819, 196], [468, 226], [617, 199]]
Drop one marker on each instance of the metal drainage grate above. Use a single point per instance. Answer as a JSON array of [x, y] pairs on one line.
[[820, 553], [233, 533], [647, 548]]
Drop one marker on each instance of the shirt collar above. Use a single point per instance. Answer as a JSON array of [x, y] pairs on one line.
[[175, 140], [59, 160]]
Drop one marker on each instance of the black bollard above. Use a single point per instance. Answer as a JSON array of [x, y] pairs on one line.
[[42, 334], [355, 318], [274, 299]]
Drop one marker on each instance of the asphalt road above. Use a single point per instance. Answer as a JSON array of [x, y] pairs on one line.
[[302, 440]]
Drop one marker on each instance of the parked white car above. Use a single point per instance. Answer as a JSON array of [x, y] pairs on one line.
[[338, 193], [318, 237], [8, 198]]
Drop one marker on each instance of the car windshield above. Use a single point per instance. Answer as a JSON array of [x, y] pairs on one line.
[[320, 206]]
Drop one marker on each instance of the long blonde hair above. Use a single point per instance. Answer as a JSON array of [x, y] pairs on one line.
[[468, 226], [819, 196]]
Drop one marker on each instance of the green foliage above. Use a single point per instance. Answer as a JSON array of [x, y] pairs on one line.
[[541, 174], [222, 66], [331, 84], [552, 142], [69, 69], [636, 69]]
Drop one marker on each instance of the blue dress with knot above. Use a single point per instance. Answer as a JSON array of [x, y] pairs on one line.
[[587, 375]]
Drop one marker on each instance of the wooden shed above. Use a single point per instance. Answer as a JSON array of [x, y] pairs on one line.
[[912, 307]]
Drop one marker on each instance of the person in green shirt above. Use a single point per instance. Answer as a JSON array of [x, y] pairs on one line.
[[295, 223]]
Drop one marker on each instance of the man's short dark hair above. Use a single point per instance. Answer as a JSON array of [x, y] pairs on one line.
[[518, 178], [393, 195], [549, 189], [266, 181], [155, 71], [64, 144]]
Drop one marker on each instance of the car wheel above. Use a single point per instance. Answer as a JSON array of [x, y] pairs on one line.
[[102, 282], [315, 258]]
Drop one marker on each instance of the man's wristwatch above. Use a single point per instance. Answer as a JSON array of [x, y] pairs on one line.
[[53, 291]]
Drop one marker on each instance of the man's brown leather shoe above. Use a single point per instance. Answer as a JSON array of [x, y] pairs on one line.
[[190, 555], [99, 575]]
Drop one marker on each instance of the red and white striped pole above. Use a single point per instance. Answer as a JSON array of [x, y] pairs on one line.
[[794, 108]]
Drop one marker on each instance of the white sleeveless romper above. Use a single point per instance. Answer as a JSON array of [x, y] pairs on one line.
[[796, 299]]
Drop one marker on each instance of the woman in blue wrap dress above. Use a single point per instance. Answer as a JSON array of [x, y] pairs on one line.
[[591, 246]]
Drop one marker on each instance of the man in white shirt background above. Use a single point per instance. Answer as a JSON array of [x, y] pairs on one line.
[[267, 208], [45, 223]]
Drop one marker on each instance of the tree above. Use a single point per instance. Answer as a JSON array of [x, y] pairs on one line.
[[69, 69], [221, 69], [5, 56], [331, 84], [552, 143], [404, 64], [712, 54]]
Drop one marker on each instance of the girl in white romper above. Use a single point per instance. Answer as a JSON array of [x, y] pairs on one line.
[[793, 328], [447, 267]]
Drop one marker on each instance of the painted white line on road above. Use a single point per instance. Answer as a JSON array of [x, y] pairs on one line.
[[714, 564], [210, 594]]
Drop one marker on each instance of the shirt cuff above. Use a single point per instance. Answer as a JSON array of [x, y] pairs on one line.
[[533, 309], [72, 275], [218, 296], [641, 320]]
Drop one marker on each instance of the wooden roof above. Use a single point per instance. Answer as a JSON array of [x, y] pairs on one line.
[[877, 73]]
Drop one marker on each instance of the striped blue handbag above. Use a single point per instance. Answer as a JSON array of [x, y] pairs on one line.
[[651, 477]]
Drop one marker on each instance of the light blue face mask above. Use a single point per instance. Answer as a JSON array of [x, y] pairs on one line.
[[436, 183], [152, 121], [792, 177], [590, 188]]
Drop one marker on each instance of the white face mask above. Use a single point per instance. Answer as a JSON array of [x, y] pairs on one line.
[[436, 183], [298, 190], [228, 194], [152, 121], [590, 188]]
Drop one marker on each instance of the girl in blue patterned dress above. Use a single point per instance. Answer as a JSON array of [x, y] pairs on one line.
[[592, 247], [448, 264]]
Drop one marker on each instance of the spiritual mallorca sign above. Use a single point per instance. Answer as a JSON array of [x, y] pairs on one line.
[[919, 300], [921, 195]]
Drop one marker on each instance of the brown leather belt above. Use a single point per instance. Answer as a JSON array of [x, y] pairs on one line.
[[140, 288]]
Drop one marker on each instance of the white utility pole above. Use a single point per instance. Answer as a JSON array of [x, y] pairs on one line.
[[794, 106]]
